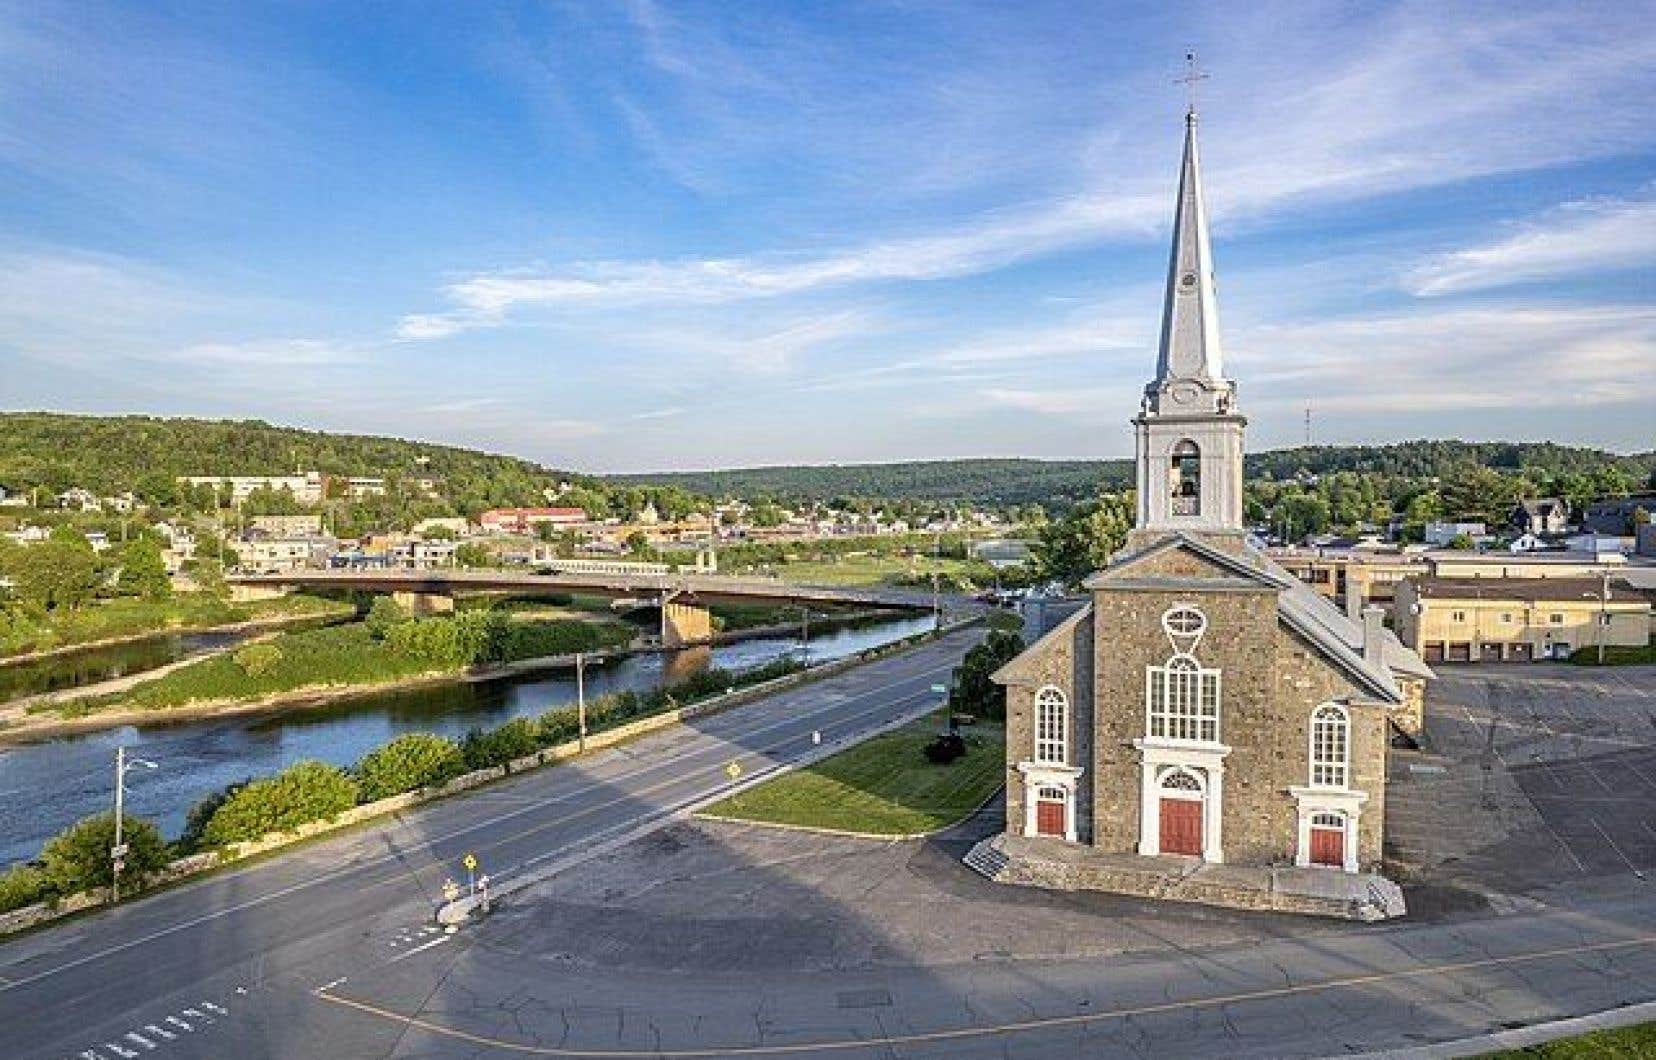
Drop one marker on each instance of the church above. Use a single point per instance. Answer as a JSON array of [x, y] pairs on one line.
[[1206, 727]]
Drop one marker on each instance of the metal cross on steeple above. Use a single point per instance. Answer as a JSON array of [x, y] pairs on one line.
[[1193, 76]]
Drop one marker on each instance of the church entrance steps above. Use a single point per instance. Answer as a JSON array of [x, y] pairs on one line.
[[1041, 862]]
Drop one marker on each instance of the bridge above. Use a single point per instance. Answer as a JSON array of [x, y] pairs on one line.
[[683, 598]]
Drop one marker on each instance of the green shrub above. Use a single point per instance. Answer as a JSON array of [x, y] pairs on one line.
[[414, 760], [304, 792], [557, 726], [23, 885], [488, 748], [194, 836], [383, 614], [258, 659], [77, 858]]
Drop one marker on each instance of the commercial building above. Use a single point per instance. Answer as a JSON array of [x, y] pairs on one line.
[[1519, 619]]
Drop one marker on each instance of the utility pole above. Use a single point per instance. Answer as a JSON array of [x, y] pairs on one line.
[[118, 852], [580, 696], [1604, 614], [937, 591], [805, 633], [1308, 426]]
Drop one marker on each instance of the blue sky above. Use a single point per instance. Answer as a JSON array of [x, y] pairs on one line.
[[640, 235]]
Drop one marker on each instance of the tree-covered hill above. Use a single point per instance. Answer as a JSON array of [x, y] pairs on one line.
[[998, 482], [1059, 483], [108, 454]]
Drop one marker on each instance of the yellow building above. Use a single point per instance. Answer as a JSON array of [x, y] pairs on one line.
[[1494, 619]]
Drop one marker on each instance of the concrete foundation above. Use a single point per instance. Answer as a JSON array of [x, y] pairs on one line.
[[1036, 862], [422, 604], [683, 624]]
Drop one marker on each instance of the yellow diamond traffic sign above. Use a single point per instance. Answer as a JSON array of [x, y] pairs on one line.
[[733, 770], [470, 861]]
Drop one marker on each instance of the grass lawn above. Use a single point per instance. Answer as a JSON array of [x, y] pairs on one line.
[[883, 786], [1616, 656], [1624, 1043]]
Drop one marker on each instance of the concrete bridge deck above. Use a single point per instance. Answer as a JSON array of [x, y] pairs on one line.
[[700, 588]]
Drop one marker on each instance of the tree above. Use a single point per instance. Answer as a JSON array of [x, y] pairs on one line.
[[383, 614], [413, 760], [971, 691], [143, 570], [77, 859], [1084, 539], [1301, 514], [472, 555], [304, 792], [61, 572]]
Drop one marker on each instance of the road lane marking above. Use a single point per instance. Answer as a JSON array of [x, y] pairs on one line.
[[160, 1032], [962, 1033], [428, 844], [139, 1039], [438, 941]]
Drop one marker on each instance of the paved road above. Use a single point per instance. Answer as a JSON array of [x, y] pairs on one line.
[[189, 972]]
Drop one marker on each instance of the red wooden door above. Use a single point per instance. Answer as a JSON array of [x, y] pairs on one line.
[[1181, 826], [1049, 818], [1328, 847]]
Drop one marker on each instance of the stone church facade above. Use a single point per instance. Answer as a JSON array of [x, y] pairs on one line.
[[1204, 705]]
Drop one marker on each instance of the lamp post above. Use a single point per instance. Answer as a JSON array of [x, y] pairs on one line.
[[117, 853]]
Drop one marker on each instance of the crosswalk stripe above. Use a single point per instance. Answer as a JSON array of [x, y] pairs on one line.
[[160, 1031], [210, 1007], [176, 1022], [134, 1036]]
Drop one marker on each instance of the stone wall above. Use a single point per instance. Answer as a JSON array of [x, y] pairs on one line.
[[1051, 662]]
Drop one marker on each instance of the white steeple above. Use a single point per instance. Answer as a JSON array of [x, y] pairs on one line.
[[1189, 434], [1190, 347]]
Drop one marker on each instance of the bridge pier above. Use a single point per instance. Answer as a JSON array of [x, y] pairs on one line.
[[419, 604], [683, 624], [246, 594]]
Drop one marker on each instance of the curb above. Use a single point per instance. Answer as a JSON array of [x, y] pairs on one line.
[[1520, 1037]]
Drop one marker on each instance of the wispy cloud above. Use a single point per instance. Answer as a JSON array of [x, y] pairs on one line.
[[265, 353], [1598, 235]]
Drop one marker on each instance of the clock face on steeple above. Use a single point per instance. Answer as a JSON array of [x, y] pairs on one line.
[[1184, 394], [1187, 283]]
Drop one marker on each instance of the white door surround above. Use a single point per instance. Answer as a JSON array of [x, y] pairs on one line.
[[1341, 802], [1205, 762], [1038, 775]]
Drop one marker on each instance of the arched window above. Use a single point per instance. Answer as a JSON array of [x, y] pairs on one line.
[[1185, 478], [1182, 701], [1181, 781], [1051, 725], [1330, 747]]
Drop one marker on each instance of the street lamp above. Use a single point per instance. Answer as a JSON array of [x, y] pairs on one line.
[[117, 853]]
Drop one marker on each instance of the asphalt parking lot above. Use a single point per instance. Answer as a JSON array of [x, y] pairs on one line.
[[1535, 779]]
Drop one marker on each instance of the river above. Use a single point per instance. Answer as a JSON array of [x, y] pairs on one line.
[[47, 786], [87, 666]]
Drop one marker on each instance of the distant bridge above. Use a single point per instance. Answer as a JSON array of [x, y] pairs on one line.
[[683, 598]]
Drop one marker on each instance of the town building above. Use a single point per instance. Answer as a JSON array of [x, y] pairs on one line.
[[1616, 515], [1445, 533], [307, 486], [279, 555], [1519, 619], [1542, 516], [524, 520], [1205, 708], [286, 525], [79, 499]]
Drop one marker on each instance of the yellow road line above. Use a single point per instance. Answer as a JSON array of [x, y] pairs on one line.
[[979, 1032]]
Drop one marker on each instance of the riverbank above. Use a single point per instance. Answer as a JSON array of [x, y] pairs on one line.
[[364, 664], [22, 721], [312, 608]]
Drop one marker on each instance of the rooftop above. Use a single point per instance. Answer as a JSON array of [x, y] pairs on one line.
[[1528, 589]]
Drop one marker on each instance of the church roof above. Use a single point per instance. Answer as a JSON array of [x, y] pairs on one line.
[[1190, 346], [1308, 612]]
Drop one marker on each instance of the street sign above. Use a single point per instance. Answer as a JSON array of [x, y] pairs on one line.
[[733, 770], [451, 890], [118, 851], [940, 690], [470, 861]]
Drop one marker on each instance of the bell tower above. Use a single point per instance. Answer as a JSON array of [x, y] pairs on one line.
[[1188, 431]]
